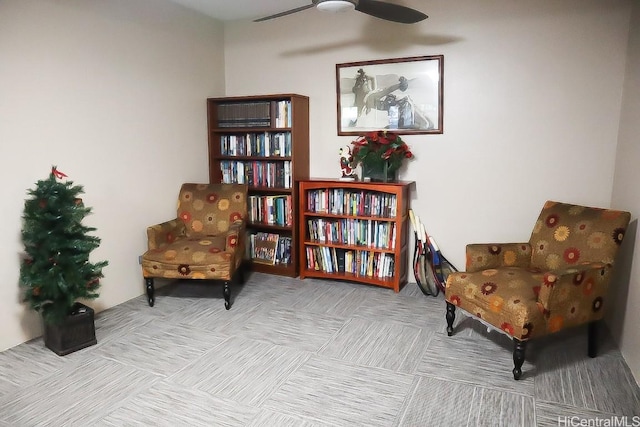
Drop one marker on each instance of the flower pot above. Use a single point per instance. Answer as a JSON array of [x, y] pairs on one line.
[[378, 172], [76, 332]]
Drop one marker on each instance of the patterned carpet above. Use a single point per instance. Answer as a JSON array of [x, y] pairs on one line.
[[311, 353]]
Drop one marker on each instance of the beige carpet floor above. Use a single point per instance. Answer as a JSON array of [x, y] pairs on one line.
[[296, 352]]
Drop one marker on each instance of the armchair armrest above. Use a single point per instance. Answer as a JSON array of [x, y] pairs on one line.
[[482, 256], [235, 237], [162, 234], [574, 295]]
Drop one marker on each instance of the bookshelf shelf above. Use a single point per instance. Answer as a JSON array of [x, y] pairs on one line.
[[356, 231], [263, 141], [270, 190], [244, 129]]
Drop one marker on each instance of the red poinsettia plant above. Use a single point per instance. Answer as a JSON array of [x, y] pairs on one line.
[[377, 148]]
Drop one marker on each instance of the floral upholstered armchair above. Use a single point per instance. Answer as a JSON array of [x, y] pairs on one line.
[[557, 280], [205, 241]]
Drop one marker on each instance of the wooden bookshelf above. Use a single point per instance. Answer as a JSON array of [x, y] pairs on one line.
[[353, 230], [263, 141]]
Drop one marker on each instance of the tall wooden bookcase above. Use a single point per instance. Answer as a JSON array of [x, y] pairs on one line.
[[263, 141], [356, 231]]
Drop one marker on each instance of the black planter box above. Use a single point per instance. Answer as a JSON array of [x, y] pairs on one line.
[[76, 332]]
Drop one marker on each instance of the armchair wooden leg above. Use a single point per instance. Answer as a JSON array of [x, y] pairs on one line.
[[519, 348], [150, 291], [451, 317], [592, 339], [241, 275], [227, 295]]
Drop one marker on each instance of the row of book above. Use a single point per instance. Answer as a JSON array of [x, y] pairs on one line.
[[359, 232], [263, 144], [269, 248], [255, 114], [272, 174], [283, 114], [271, 210], [343, 201], [244, 114], [358, 262]]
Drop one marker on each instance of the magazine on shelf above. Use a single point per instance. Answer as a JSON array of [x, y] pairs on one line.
[[264, 248]]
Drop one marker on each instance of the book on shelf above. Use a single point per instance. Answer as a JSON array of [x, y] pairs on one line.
[[334, 260], [366, 263], [244, 114], [283, 254], [271, 210], [369, 269], [283, 114], [339, 201], [317, 259], [271, 174], [255, 114], [340, 259], [269, 248], [311, 260], [264, 247], [379, 234]]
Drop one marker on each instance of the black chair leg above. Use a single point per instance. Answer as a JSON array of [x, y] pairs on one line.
[[242, 274], [592, 339], [227, 295], [519, 348], [451, 317], [150, 291]]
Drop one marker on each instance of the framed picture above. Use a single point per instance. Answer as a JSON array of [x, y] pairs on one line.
[[402, 94]]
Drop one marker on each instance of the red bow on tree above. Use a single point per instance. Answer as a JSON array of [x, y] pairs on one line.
[[57, 173]]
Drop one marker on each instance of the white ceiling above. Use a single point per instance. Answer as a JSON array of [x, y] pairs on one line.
[[226, 10]]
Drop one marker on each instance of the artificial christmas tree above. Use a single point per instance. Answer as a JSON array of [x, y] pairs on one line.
[[56, 271]]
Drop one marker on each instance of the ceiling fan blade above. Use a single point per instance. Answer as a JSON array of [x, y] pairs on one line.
[[288, 12], [390, 12]]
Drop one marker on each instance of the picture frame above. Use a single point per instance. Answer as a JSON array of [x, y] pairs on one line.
[[403, 95]]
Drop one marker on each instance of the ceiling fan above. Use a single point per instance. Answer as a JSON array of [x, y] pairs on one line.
[[378, 9]]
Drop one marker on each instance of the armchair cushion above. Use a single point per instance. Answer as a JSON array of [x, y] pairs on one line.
[[191, 258], [210, 209], [567, 235], [506, 298]]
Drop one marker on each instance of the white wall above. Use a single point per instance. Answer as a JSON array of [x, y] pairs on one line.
[[532, 102], [626, 318], [113, 92], [531, 106]]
